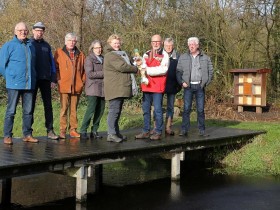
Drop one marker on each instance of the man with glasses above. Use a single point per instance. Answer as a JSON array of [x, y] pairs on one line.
[[17, 65], [71, 78], [46, 75], [155, 64]]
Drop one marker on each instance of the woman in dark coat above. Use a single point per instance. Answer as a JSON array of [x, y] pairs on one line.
[[94, 89], [117, 84]]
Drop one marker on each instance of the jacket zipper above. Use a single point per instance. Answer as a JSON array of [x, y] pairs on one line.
[[26, 71]]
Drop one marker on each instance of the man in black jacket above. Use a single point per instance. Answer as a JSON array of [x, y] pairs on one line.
[[46, 75]]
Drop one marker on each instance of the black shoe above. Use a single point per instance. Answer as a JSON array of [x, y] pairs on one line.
[[83, 136], [113, 138], [124, 138], [202, 133], [183, 133], [95, 135]]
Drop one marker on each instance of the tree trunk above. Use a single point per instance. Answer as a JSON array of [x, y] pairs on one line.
[[78, 21]]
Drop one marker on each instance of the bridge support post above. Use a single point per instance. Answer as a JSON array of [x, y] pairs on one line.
[[6, 191], [175, 165], [81, 184]]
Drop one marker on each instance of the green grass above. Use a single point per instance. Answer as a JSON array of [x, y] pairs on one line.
[[261, 156], [129, 119]]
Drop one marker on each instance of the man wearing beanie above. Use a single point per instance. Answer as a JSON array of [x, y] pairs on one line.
[[46, 75]]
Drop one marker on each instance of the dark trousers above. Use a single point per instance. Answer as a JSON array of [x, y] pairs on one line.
[[94, 111], [45, 89], [115, 110]]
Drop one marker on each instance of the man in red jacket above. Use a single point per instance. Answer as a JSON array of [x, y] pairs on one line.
[[155, 64]]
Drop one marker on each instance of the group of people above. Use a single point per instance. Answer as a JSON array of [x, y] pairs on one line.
[[105, 74]]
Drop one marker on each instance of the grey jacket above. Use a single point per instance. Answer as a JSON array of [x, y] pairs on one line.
[[183, 71], [94, 76]]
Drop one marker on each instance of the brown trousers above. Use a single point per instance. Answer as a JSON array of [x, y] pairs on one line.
[[68, 109]]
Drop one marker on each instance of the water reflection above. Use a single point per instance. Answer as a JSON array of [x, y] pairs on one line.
[[175, 191], [199, 189], [80, 206]]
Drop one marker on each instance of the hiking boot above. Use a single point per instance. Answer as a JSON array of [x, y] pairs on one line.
[[152, 132], [143, 135], [51, 135], [95, 135], [183, 133], [30, 139], [169, 132], [155, 136], [124, 138], [168, 125], [74, 134], [8, 140], [83, 136], [202, 133], [62, 135], [113, 138]]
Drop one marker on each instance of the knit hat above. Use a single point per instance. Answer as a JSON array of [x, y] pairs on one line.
[[39, 25]]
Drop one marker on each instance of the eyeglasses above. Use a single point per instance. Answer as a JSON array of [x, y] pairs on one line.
[[22, 30], [39, 30], [71, 40]]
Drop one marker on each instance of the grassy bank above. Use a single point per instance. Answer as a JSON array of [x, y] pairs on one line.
[[260, 156]]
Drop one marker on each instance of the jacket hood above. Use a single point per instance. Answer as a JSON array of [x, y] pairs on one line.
[[200, 52], [36, 40], [15, 39], [108, 49], [77, 51]]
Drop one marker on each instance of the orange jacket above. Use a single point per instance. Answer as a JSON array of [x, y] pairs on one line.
[[70, 76]]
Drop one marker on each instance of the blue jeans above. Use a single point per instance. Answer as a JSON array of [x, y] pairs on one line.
[[170, 105], [156, 100], [115, 110], [199, 94], [27, 114]]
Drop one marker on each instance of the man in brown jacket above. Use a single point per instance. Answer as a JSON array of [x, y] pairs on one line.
[[71, 78]]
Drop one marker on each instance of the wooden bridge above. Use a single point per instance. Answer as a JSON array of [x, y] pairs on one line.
[[83, 157]]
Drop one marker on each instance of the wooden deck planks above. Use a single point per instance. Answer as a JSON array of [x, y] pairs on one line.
[[37, 157]]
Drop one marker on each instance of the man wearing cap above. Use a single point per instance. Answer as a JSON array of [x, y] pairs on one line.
[[46, 75], [17, 66]]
